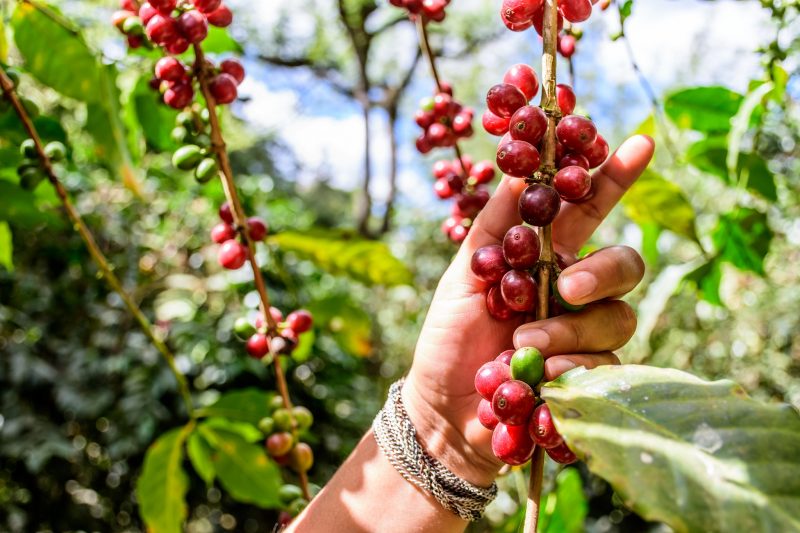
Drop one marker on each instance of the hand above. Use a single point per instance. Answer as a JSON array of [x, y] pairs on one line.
[[459, 335]]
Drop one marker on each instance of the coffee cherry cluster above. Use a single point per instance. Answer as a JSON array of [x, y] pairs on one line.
[[262, 344], [519, 15], [430, 9], [444, 121], [30, 171], [509, 408], [470, 192], [232, 253]]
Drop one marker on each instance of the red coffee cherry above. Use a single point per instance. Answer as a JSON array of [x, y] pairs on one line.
[[542, 430], [497, 306], [505, 357], [458, 233], [225, 213], [165, 7], [301, 458], [127, 5], [562, 454], [442, 189], [504, 99], [573, 160], [575, 10], [566, 45], [517, 158], [220, 17], [279, 444], [521, 247], [300, 321], [512, 444], [232, 254], [179, 95], [489, 377], [178, 46], [486, 415], [597, 153], [193, 26], [256, 228], [482, 171], [257, 345], [223, 88], [489, 263], [566, 99], [494, 124], [519, 11], [222, 232], [161, 29], [170, 69], [234, 68], [539, 205], [519, 290], [521, 26], [206, 6], [576, 133], [528, 124], [513, 402], [147, 12], [524, 78], [572, 183]]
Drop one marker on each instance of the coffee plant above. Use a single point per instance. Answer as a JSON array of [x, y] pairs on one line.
[[215, 365]]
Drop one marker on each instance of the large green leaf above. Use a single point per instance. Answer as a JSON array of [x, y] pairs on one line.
[[55, 52], [697, 455], [564, 509], [654, 200], [162, 486], [743, 238], [199, 453], [156, 119], [711, 155], [245, 405], [367, 261], [244, 469], [6, 246], [705, 109]]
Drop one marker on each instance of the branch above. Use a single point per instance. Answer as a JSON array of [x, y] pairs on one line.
[[91, 244], [323, 72]]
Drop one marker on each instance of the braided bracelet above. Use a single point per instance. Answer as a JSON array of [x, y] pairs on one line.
[[397, 438]]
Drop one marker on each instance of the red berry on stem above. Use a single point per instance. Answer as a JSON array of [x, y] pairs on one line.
[[458, 233], [489, 264], [542, 430], [220, 17], [522, 26], [442, 189], [127, 5], [442, 168], [257, 345], [482, 171], [494, 124], [562, 454], [165, 7], [225, 213], [206, 6], [504, 99], [234, 68], [497, 306], [566, 46], [566, 98], [118, 18], [300, 321], [146, 12], [256, 228], [512, 444], [489, 377], [222, 232], [575, 10], [301, 458], [519, 290], [539, 205], [178, 46], [517, 158], [572, 183], [524, 78], [576, 133], [170, 69], [521, 247], [179, 95], [597, 154], [486, 415], [232, 254], [193, 26], [529, 124], [279, 444], [570, 160], [513, 402], [505, 357], [223, 88], [161, 29], [519, 11]]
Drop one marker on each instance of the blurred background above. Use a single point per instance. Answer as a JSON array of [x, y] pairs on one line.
[[331, 91]]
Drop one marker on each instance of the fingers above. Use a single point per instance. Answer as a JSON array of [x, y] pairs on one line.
[[557, 365], [500, 213], [576, 222], [600, 327], [608, 273]]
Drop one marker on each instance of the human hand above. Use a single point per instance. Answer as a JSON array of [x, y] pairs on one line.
[[459, 335]]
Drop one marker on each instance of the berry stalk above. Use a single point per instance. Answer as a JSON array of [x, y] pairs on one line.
[[240, 220], [7, 86]]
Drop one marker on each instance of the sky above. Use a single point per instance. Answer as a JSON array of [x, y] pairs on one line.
[[676, 43]]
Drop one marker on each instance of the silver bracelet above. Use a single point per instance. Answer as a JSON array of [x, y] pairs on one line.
[[397, 438]]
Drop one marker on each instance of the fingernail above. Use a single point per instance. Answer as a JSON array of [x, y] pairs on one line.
[[557, 366], [532, 337], [577, 286]]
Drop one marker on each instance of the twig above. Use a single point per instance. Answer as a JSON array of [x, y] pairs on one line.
[[240, 220], [91, 244]]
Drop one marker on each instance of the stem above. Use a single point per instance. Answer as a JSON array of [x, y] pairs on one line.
[[547, 170], [425, 45], [240, 220], [91, 244]]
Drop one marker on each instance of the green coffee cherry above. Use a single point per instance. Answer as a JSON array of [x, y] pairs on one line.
[[133, 26], [204, 116], [185, 119], [55, 151], [562, 302], [243, 328], [206, 170], [426, 104], [30, 177], [288, 493], [302, 417], [187, 157], [527, 364], [297, 506], [276, 402], [28, 149], [266, 425], [13, 75], [283, 419], [31, 108], [202, 140], [179, 134]]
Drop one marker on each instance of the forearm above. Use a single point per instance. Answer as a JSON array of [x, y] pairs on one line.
[[368, 494]]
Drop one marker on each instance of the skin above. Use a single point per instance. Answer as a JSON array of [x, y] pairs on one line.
[[367, 493]]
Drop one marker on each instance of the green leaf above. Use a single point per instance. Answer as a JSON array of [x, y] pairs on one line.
[[3, 42], [743, 238], [162, 486], [741, 123], [349, 324], [654, 200], [710, 155], [696, 455], [245, 405], [39, 33], [6, 246], [342, 253], [707, 278], [19, 207], [565, 508], [199, 453], [247, 431], [705, 109], [243, 468], [650, 234], [156, 119], [219, 41]]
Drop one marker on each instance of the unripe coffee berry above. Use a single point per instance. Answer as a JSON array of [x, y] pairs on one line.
[[301, 458], [279, 443], [302, 416], [266, 425], [527, 364]]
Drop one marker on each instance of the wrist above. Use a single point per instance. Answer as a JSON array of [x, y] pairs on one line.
[[445, 441]]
